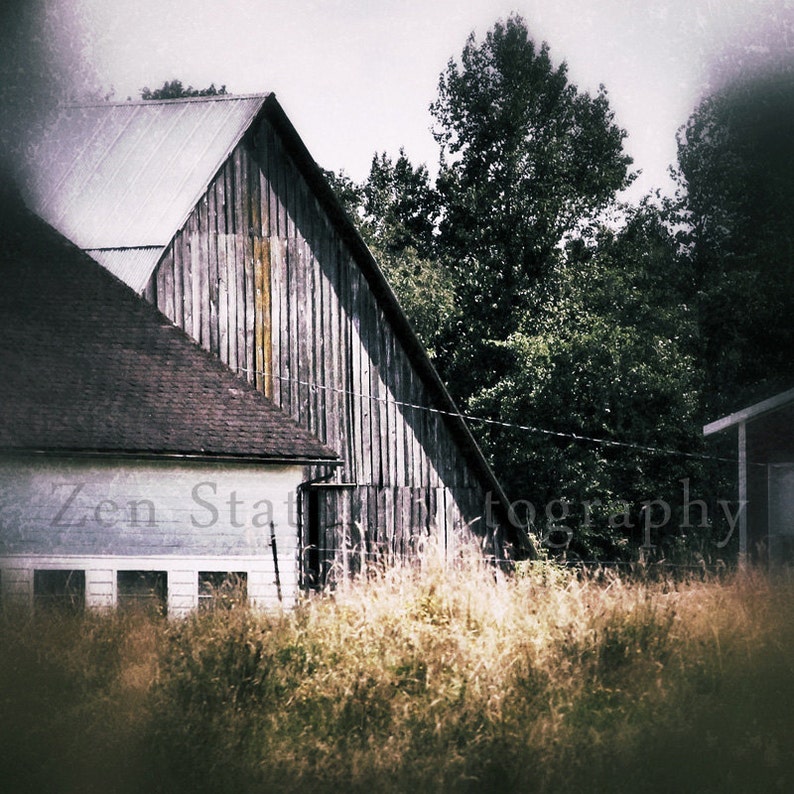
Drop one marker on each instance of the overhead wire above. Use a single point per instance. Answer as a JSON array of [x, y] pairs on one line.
[[470, 418]]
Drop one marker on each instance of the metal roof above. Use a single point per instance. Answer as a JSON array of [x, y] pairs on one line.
[[126, 175], [133, 266]]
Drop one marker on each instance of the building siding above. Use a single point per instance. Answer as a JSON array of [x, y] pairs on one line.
[[259, 276], [103, 516]]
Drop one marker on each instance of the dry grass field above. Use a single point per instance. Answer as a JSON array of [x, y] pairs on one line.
[[416, 681]]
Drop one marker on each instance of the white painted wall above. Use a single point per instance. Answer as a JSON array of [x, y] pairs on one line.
[[181, 517]]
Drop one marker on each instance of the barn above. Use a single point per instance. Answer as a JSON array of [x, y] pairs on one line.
[[214, 211], [135, 468], [765, 454]]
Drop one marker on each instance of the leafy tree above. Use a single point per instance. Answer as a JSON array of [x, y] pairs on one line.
[[736, 158], [396, 210], [349, 194], [527, 160], [400, 208], [545, 314], [173, 89], [610, 356]]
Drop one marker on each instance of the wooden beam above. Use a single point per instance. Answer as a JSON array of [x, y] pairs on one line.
[[743, 494], [772, 404]]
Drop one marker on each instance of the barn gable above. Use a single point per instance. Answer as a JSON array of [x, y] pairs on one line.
[[265, 270]]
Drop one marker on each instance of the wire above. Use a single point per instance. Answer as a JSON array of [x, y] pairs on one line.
[[495, 422]]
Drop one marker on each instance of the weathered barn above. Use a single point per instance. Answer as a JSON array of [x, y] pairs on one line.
[[134, 466], [765, 444], [214, 210]]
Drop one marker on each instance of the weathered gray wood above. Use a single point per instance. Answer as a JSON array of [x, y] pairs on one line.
[[259, 275], [278, 301], [224, 244], [160, 287], [302, 331], [211, 241], [177, 248], [252, 230], [201, 275]]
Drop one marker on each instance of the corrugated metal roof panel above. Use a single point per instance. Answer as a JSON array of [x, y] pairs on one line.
[[133, 266], [111, 176]]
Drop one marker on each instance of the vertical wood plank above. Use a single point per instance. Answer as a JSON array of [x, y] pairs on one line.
[[333, 344], [179, 282], [160, 299], [222, 244], [344, 363], [233, 267], [167, 266], [251, 231], [201, 275], [277, 306], [211, 243], [354, 386], [259, 313]]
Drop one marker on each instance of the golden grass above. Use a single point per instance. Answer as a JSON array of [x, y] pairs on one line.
[[436, 679]]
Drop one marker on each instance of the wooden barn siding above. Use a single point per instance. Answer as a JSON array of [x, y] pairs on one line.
[[259, 276]]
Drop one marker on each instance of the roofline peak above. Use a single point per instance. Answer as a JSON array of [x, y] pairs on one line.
[[180, 100]]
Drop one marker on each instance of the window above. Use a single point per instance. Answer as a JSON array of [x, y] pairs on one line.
[[62, 590], [222, 589], [145, 591]]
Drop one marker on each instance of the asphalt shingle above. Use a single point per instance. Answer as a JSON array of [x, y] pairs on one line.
[[87, 365]]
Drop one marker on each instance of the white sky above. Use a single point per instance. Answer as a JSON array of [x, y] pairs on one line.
[[357, 76]]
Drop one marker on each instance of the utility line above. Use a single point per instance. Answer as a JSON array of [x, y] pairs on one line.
[[314, 387]]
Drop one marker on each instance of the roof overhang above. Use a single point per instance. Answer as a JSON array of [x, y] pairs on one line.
[[198, 457], [775, 403]]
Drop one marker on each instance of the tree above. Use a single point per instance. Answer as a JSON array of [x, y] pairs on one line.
[[396, 210], [400, 208], [173, 89], [610, 357], [527, 161], [736, 158]]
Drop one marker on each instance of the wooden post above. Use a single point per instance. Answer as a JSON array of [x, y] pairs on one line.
[[743, 495], [275, 559]]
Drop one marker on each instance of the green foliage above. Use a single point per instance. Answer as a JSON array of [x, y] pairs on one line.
[[396, 210], [173, 89], [608, 356], [538, 307], [400, 209], [526, 160], [736, 157], [542, 310]]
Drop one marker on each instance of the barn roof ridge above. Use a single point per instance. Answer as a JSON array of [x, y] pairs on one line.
[[175, 100]]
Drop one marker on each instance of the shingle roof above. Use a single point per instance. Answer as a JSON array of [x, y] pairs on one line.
[[87, 365]]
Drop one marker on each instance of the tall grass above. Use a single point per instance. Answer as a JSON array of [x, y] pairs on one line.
[[416, 680]]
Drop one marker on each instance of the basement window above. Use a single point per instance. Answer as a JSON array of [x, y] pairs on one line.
[[222, 589], [59, 590], [142, 591]]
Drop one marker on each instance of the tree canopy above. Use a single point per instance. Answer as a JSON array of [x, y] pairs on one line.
[[736, 157], [174, 89], [526, 161], [590, 339]]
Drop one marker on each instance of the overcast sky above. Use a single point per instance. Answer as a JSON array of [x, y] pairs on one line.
[[356, 76]]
